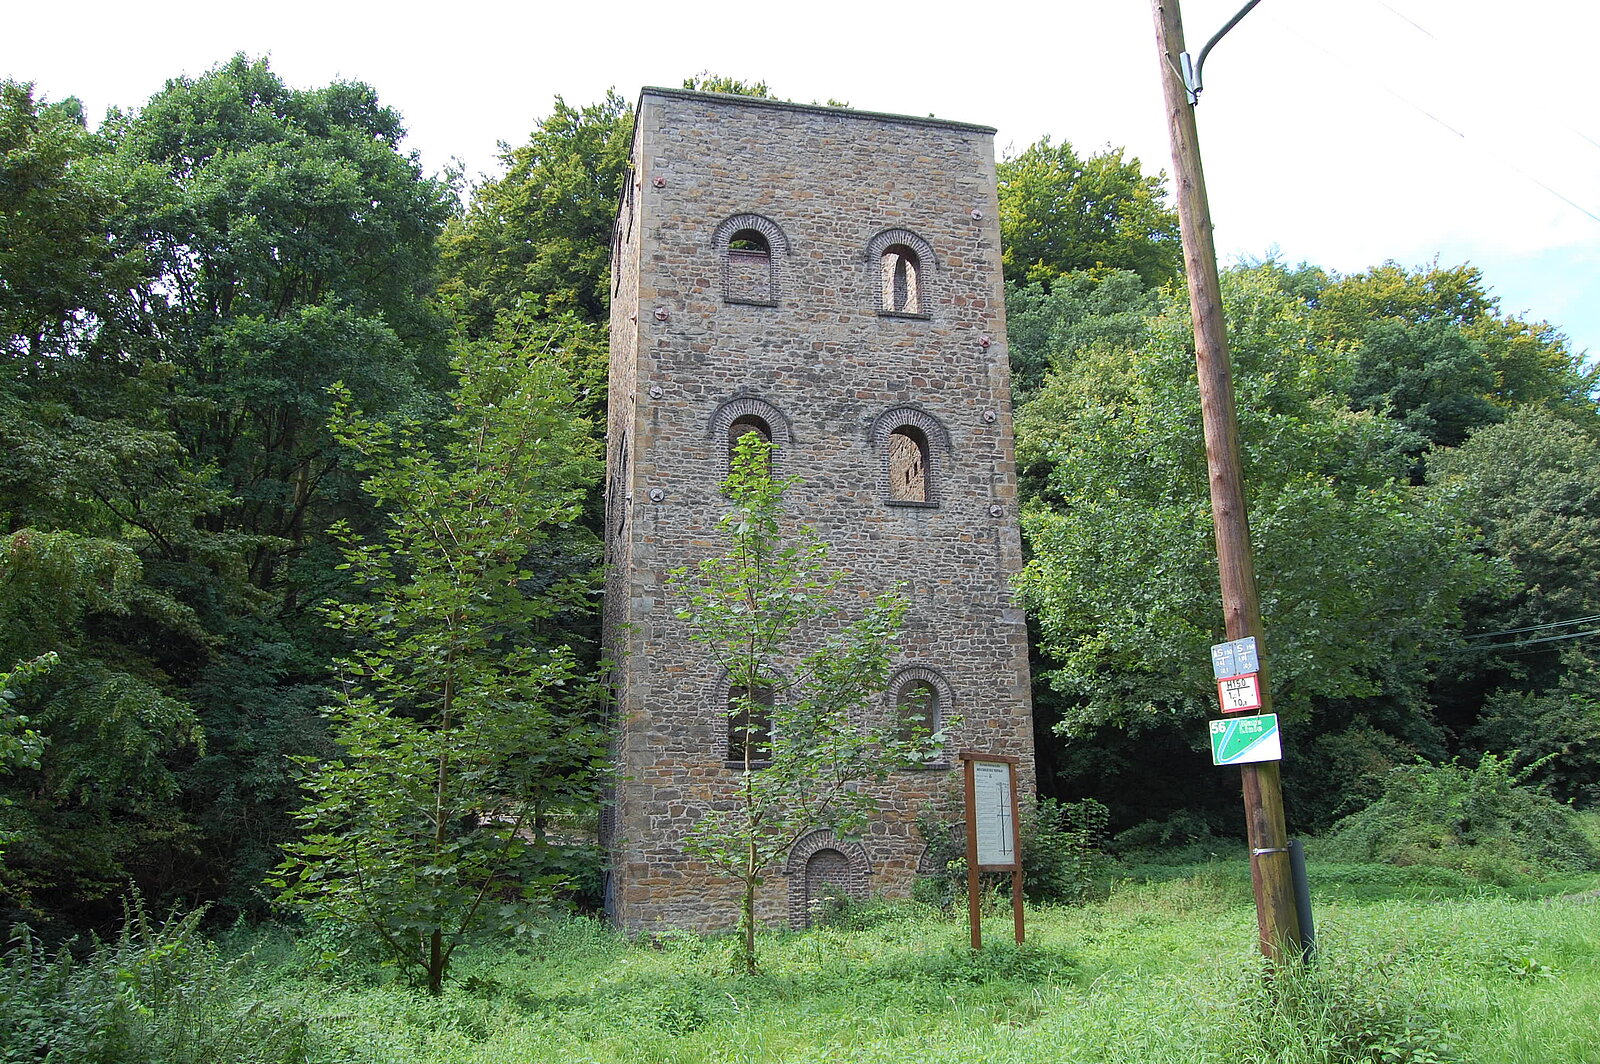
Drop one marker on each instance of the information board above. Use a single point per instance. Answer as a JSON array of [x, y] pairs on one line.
[[993, 844], [992, 807]]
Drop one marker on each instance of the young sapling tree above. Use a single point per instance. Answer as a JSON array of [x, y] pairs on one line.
[[803, 735], [461, 723]]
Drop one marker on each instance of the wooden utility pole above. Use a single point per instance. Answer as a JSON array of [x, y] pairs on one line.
[[1263, 795]]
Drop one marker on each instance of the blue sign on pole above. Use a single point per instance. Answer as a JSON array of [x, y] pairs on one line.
[[1235, 658]]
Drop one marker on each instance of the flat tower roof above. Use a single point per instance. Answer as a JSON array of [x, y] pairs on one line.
[[814, 108]]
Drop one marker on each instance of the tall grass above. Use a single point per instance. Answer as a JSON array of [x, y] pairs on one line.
[[1159, 971]]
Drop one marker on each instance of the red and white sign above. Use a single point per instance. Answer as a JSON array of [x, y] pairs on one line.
[[1239, 693]]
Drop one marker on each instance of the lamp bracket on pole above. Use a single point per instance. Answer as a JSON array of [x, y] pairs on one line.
[[1192, 67]]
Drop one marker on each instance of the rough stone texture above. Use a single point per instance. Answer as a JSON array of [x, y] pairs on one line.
[[700, 339]]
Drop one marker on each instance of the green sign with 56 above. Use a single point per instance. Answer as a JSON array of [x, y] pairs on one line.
[[1245, 739]]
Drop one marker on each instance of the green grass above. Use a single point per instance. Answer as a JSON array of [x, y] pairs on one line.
[[1160, 971]]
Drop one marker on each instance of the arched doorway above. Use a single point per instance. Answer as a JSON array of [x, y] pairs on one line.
[[821, 864]]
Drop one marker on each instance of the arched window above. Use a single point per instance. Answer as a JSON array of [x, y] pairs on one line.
[[902, 293], [747, 414], [749, 268], [918, 701], [744, 424], [908, 465], [905, 267], [822, 865], [752, 250], [913, 448], [749, 724]]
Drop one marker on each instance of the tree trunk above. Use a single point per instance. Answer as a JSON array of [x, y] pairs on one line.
[[436, 962], [749, 914]]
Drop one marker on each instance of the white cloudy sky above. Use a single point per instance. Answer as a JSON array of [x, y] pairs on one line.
[[1341, 132]]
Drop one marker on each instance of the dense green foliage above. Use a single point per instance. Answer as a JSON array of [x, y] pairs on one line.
[[1353, 571], [1417, 472], [1060, 213], [228, 251], [1479, 820], [181, 284], [538, 237]]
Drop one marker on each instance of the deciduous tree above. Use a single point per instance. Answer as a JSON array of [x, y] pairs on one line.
[[1360, 577], [807, 748], [1433, 351], [1060, 212], [538, 238], [460, 725]]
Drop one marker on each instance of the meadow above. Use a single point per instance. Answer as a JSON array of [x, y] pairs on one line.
[[1414, 965]]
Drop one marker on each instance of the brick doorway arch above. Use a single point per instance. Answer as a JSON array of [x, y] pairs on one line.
[[818, 862]]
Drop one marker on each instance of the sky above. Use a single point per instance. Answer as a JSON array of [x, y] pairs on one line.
[[1343, 133]]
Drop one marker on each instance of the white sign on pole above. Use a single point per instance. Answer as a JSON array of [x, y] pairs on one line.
[[992, 813], [1239, 693]]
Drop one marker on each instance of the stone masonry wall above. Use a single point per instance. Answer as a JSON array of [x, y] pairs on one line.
[[814, 354]]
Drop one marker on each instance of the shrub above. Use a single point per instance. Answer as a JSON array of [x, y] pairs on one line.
[[1481, 821], [1062, 858], [1184, 837]]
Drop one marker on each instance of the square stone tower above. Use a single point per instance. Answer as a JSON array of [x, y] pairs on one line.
[[829, 278]]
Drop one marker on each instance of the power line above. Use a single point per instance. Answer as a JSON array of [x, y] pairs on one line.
[[1533, 642], [1591, 619], [1479, 643], [1401, 15], [1478, 71], [1377, 80]]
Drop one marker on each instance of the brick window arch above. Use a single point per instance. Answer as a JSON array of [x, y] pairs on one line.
[[754, 252], [912, 448], [905, 267], [735, 417], [919, 700]]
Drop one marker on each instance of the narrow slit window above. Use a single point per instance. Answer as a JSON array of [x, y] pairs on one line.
[[908, 465], [901, 288], [749, 724]]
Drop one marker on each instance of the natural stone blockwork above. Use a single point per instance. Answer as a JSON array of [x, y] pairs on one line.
[[692, 350]]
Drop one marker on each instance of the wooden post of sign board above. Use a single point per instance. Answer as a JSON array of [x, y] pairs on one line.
[[976, 862], [973, 915]]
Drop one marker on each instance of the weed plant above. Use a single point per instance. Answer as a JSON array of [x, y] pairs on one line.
[[160, 993], [1481, 820]]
